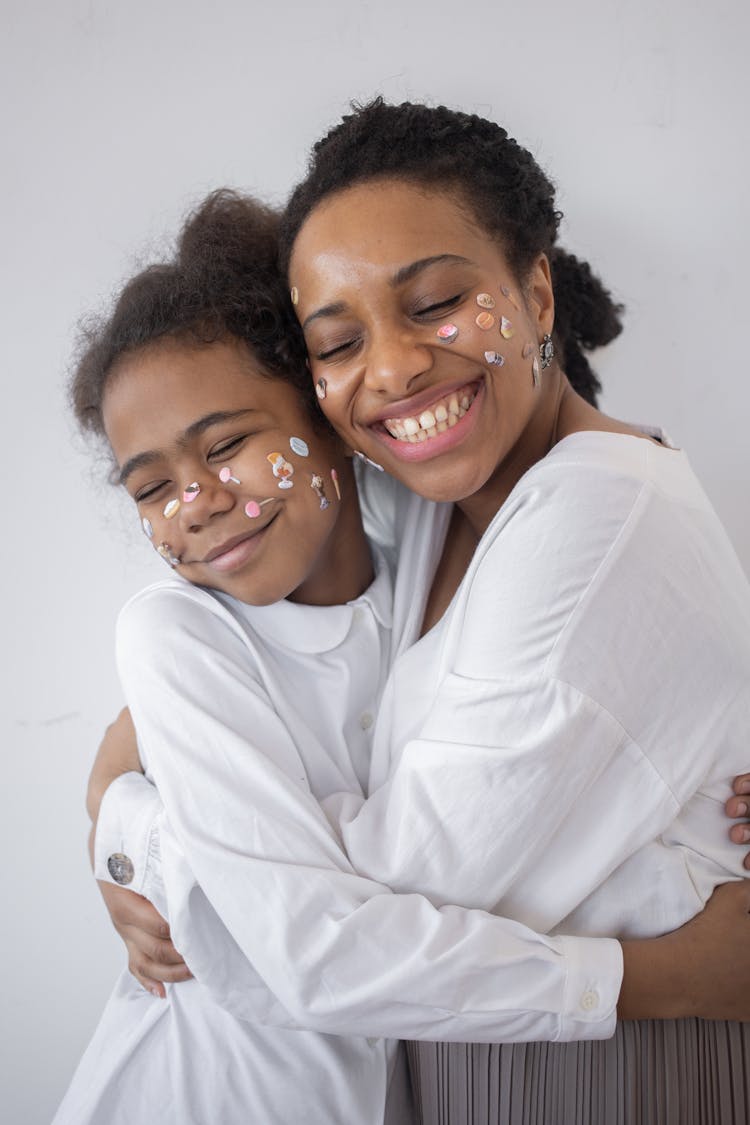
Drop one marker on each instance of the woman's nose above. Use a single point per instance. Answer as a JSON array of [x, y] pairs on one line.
[[394, 360]]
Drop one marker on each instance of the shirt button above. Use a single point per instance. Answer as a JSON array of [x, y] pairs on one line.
[[121, 868], [365, 720], [590, 1000]]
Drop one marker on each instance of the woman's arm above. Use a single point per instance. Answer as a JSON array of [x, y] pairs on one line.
[[258, 885]]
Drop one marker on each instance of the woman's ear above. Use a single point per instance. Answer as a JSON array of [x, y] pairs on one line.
[[540, 295]]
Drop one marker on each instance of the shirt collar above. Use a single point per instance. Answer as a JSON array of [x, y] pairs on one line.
[[312, 628]]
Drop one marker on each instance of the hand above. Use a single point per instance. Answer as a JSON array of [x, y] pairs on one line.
[[738, 807], [702, 969], [151, 956], [117, 754]]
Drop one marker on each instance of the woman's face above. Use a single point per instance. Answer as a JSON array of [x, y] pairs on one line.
[[231, 481], [421, 334]]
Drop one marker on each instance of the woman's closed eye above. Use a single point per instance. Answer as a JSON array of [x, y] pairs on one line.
[[437, 308]]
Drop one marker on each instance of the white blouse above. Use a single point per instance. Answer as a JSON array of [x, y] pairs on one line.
[[240, 727], [594, 661]]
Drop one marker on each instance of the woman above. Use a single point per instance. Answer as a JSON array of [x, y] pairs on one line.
[[415, 288]]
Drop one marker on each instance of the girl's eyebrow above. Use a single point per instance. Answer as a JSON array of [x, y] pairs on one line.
[[195, 429], [400, 277]]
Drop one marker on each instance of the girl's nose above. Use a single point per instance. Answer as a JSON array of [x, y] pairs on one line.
[[202, 499]]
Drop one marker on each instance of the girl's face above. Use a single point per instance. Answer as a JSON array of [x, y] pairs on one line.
[[232, 482], [422, 335]]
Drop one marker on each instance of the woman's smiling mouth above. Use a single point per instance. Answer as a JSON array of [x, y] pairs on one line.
[[435, 428]]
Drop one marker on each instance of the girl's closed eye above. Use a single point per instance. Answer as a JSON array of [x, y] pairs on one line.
[[150, 491], [223, 448]]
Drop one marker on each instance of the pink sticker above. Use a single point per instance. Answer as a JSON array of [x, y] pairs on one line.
[[447, 333], [506, 328], [252, 509]]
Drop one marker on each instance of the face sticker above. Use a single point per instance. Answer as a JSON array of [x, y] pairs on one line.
[[447, 333], [485, 300], [226, 475], [294, 295], [298, 446], [191, 492], [320, 388], [527, 350], [508, 295], [171, 508], [494, 358], [335, 479], [485, 321], [282, 470], [367, 461], [316, 483], [506, 328], [147, 528], [535, 371], [253, 509], [165, 551]]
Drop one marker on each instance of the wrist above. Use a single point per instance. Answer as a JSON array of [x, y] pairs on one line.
[[657, 980]]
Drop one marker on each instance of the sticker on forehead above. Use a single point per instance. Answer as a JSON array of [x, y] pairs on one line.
[[282, 469], [294, 294], [299, 446], [485, 321], [171, 508], [447, 333], [494, 358], [485, 300], [147, 528], [506, 328], [320, 388]]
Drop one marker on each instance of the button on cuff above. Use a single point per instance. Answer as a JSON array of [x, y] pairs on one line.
[[121, 868]]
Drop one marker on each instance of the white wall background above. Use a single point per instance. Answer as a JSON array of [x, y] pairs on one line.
[[114, 119]]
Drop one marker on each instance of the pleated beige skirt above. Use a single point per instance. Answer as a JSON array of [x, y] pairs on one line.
[[652, 1072]]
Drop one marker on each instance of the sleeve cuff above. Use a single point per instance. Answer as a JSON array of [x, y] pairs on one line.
[[592, 988], [127, 842]]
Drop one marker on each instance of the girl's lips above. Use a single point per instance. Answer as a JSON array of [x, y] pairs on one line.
[[238, 552], [442, 442]]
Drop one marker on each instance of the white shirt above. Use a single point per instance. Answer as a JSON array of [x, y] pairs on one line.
[[259, 889], [596, 660], [186, 1059]]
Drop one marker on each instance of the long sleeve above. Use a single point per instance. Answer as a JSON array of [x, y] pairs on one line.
[[596, 661], [259, 886]]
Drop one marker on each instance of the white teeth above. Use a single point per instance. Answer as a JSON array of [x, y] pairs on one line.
[[431, 422]]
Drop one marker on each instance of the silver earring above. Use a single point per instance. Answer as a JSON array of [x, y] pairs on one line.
[[546, 351]]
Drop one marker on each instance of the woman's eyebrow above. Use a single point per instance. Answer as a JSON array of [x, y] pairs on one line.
[[199, 426], [406, 273]]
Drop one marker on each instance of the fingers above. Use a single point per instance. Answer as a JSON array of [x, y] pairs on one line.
[[736, 807]]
